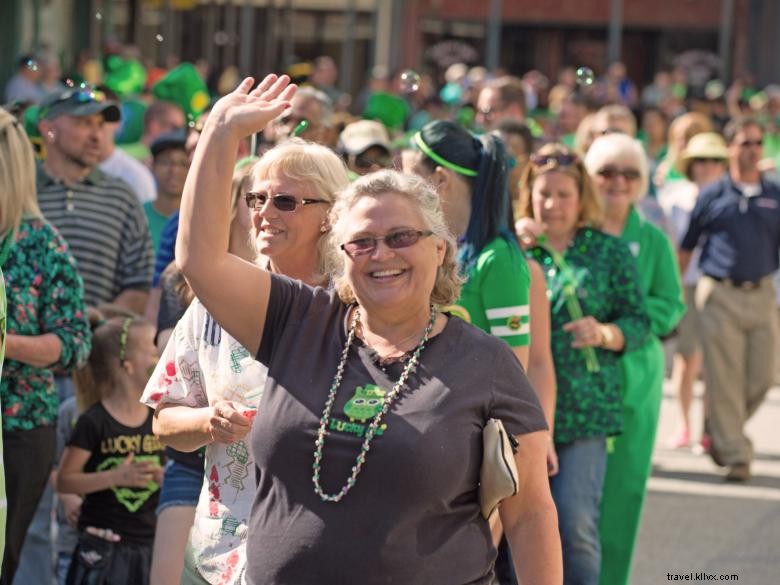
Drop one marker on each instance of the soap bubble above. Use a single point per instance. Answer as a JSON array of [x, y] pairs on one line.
[[585, 76], [159, 38], [70, 83], [221, 38], [31, 64], [98, 15], [714, 89], [409, 81]]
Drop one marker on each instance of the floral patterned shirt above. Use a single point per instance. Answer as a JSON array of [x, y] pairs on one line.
[[200, 365], [45, 295], [590, 404]]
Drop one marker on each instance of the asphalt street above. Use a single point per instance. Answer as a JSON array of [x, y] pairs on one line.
[[697, 524]]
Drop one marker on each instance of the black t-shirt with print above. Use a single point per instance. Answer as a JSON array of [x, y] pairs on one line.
[[413, 516], [130, 512]]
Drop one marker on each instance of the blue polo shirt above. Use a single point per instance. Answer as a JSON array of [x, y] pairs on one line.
[[739, 235]]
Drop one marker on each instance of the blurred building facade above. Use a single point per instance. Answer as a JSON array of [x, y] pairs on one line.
[[263, 35]]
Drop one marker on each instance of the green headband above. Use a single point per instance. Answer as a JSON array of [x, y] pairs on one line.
[[442, 161]]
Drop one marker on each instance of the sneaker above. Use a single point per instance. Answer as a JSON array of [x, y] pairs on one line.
[[739, 472], [703, 446], [680, 440]]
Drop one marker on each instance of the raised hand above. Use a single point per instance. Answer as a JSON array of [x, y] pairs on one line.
[[528, 231], [243, 112]]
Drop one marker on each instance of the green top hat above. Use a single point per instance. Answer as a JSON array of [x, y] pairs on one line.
[[389, 109], [124, 76], [183, 86]]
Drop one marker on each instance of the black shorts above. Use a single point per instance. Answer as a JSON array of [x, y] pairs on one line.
[[99, 562]]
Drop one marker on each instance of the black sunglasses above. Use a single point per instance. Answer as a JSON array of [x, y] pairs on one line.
[[281, 201], [564, 160], [395, 240], [705, 159], [610, 173]]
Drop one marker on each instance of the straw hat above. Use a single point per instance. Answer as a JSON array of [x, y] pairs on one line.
[[703, 145]]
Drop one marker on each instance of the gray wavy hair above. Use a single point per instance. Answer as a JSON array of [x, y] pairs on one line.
[[446, 288]]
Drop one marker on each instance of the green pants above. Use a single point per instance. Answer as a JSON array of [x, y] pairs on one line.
[[629, 462]]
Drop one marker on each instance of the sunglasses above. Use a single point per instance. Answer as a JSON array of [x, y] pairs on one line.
[[708, 160], [394, 241], [282, 201], [747, 143], [366, 162], [563, 160], [610, 173]]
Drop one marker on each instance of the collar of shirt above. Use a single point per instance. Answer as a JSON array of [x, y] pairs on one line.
[[94, 177]]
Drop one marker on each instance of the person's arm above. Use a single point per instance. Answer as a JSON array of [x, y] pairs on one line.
[[71, 478], [65, 340], [133, 299], [35, 350], [664, 300], [684, 259], [188, 429], [529, 517], [541, 371], [204, 221]]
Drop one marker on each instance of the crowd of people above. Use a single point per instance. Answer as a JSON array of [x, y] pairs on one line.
[[197, 273]]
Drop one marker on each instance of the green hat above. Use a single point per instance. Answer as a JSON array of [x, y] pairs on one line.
[[183, 86], [389, 109], [124, 76], [132, 127], [30, 121]]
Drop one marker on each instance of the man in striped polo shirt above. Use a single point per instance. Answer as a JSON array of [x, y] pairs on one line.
[[98, 214]]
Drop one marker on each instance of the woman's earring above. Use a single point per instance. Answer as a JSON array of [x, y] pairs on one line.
[[323, 227]]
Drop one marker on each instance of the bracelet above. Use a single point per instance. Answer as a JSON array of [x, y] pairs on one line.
[[607, 335]]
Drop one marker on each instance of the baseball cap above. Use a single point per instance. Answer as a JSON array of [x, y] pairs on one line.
[[362, 135], [174, 139], [78, 102]]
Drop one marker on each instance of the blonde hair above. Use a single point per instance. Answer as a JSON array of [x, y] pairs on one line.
[[613, 146], [610, 115], [446, 287], [306, 162], [591, 211], [18, 194]]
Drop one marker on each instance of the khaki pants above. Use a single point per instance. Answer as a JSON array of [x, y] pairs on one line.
[[738, 336]]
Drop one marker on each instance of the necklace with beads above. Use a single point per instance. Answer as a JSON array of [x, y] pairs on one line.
[[360, 460]]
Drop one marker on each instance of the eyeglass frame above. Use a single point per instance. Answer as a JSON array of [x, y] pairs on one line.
[[629, 175], [251, 196], [376, 239]]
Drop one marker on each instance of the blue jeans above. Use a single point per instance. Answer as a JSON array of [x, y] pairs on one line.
[[577, 490], [181, 486]]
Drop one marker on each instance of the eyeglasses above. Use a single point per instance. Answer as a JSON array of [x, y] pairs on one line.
[[80, 96], [394, 241], [281, 201], [748, 143], [366, 162], [563, 159], [610, 173], [171, 163], [709, 160]]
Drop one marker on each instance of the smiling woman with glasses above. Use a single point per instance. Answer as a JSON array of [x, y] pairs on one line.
[[597, 313], [618, 166], [369, 384]]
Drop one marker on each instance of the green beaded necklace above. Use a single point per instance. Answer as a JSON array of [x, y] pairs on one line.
[[372, 428]]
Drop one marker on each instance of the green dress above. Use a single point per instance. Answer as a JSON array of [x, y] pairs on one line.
[[628, 463]]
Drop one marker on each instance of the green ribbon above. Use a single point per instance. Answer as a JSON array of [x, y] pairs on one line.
[[441, 160], [569, 290]]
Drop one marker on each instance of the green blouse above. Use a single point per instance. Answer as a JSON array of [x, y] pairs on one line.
[[590, 404], [45, 295]]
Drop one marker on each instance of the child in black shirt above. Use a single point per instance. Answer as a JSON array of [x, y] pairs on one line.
[[113, 458]]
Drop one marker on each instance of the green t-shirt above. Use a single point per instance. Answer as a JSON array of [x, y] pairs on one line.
[[157, 222], [495, 296]]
